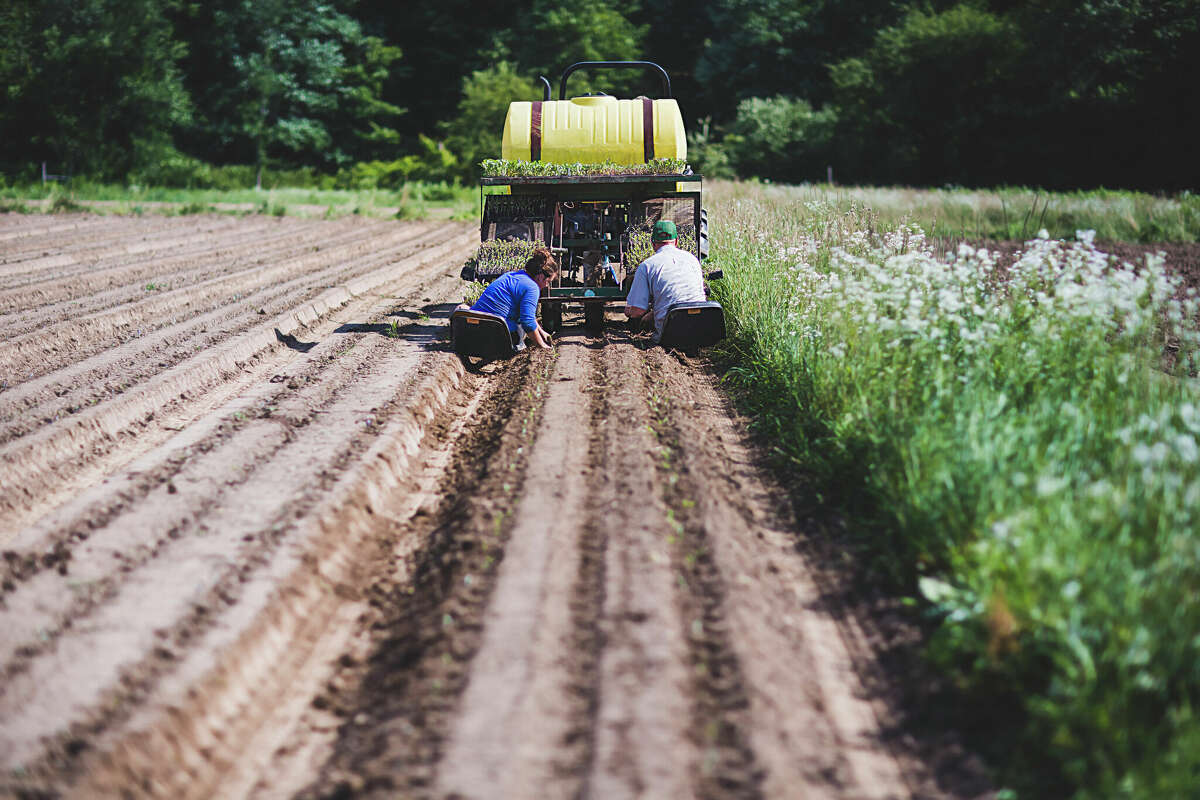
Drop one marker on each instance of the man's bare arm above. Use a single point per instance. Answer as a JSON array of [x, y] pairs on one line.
[[633, 312]]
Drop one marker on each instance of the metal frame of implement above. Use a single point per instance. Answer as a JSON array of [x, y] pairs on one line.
[[628, 191]]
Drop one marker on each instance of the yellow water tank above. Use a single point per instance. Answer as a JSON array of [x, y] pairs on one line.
[[594, 129]]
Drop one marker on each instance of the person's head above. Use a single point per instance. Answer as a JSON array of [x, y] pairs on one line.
[[663, 233], [542, 267]]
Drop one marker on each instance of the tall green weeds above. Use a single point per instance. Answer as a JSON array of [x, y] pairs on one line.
[[1008, 449], [1004, 213]]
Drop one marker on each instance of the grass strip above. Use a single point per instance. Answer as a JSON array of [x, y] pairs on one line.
[[414, 200], [1003, 213]]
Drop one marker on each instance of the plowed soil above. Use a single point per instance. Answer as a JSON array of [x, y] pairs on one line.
[[265, 536]]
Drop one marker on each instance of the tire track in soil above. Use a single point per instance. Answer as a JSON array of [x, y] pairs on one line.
[[801, 696], [424, 623], [640, 744], [728, 765], [527, 699], [587, 599]]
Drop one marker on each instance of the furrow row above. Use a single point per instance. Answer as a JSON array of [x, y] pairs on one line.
[[67, 340], [101, 283], [49, 457], [231, 652], [425, 623], [57, 242], [89, 380], [137, 240], [794, 716]]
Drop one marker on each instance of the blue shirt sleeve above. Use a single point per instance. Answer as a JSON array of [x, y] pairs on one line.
[[529, 304]]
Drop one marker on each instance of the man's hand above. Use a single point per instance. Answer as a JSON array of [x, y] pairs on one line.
[[542, 338]]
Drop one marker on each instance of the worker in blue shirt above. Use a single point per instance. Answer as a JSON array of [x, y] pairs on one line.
[[514, 296]]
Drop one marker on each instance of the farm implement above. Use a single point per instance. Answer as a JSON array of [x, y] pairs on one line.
[[588, 177]]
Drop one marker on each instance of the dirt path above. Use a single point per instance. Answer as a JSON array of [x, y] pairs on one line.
[[284, 545]]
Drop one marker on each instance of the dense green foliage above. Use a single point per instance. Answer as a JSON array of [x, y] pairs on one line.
[[94, 86], [1016, 449], [296, 81], [494, 167], [980, 92], [494, 258], [639, 246]]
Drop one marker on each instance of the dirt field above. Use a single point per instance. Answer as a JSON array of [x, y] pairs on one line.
[[264, 536]]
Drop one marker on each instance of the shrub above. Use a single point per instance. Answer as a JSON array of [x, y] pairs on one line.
[[171, 168], [710, 157], [781, 138]]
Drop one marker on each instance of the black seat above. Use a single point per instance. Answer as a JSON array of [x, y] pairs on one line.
[[691, 325], [481, 335]]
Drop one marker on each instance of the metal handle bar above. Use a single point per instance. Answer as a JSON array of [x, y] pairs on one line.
[[650, 65]]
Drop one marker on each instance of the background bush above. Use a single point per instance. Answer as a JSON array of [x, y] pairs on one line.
[[1052, 94]]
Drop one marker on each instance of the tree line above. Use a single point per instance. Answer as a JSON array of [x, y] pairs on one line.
[[1052, 93]]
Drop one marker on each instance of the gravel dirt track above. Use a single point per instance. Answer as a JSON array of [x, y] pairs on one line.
[[265, 536]]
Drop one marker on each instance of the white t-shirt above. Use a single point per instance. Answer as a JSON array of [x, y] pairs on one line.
[[668, 277]]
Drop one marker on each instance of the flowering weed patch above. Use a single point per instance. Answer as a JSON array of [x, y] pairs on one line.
[[1034, 473]]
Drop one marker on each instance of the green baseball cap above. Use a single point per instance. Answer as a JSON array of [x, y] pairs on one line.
[[664, 230]]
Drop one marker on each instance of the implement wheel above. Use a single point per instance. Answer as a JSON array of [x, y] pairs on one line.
[[593, 316], [552, 316]]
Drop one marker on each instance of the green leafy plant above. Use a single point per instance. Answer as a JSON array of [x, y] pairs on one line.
[[638, 246], [61, 204], [494, 258], [498, 168], [473, 291]]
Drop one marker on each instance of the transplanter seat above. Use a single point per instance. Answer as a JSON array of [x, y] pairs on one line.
[[477, 334], [692, 325]]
